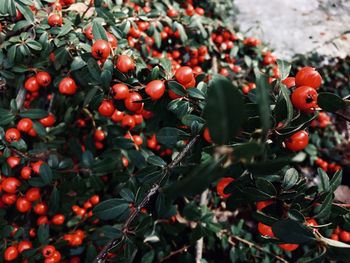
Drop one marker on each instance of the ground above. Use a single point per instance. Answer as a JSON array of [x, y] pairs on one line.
[[298, 26]]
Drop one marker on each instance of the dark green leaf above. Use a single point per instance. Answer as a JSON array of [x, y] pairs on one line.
[[330, 102], [291, 231]]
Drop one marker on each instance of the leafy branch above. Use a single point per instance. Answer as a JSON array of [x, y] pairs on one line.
[[101, 257]]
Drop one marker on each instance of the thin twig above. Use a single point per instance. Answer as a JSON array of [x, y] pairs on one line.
[[250, 244], [101, 257], [173, 253], [200, 242]]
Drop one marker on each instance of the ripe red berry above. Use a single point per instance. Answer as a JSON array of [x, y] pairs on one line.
[[48, 121], [24, 125], [23, 205], [289, 82], [43, 78], [24, 245], [112, 40], [11, 253], [10, 185], [12, 135], [308, 76], [206, 136], [220, 187], [40, 208], [298, 141], [58, 219], [117, 116], [48, 251], [304, 98], [131, 102], [265, 230], [106, 108], [67, 86], [100, 49], [31, 84], [125, 64], [262, 204], [26, 172], [88, 33], [289, 247], [33, 194], [120, 91], [128, 122], [95, 199], [36, 166], [184, 75], [344, 236], [99, 135], [155, 89], [54, 19], [13, 161], [172, 12]]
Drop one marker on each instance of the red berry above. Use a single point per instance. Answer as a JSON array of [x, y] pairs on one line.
[[12, 135], [304, 98], [13, 161], [120, 91], [220, 187], [24, 245], [43, 78], [289, 82], [48, 251], [112, 40], [265, 230], [262, 204], [206, 136], [289, 247], [36, 166], [26, 172], [131, 102], [58, 219], [344, 236], [95, 199], [128, 122], [100, 49], [48, 121], [31, 84], [33, 194], [25, 125], [10, 185], [117, 116], [308, 76], [298, 141], [106, 108], [155, 89], [40, 208], [125, 64], [23, 205], [184, 75], [11, 253], [99, 135], [54, 19], [67, 86]]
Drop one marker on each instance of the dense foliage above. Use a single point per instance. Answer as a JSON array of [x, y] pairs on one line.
[[151, 131]]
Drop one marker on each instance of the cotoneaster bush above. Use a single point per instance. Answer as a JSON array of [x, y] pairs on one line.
[[153, 132]]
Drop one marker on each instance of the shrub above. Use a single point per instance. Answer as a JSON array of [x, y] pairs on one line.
[[137, 131]]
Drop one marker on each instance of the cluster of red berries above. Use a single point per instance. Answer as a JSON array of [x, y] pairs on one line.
[[75, 238], [12, 252], [327, 167], [88, 205], [339, 234], [323, 120]]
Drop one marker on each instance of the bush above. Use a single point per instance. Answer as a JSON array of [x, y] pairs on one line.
[[151, 131]]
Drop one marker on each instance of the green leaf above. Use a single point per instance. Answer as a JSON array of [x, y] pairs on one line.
[[262, 92], [324, 210], [34, 45], [324, 180], [336, 180], [265, 186], [156, 160], [98, 31], [77, 63], [44, 234], [54, 200], [111, 209], [291, 231], [65, 29], [225, 110], [246, 151], [94, 69], [291, 177], [183, 35], [286, 96], [176, 88], [6, 117], [33, 114], [170, 136], [45, 173], [196, 93], [148, 257], [330, 102], [284, 68], [27, 13]]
